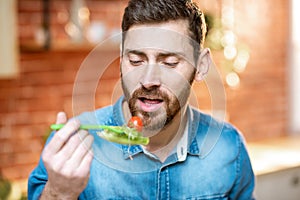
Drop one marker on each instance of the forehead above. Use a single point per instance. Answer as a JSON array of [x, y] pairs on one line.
[[168, 36]]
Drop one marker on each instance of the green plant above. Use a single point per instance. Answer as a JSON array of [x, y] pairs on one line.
[[5, 188]]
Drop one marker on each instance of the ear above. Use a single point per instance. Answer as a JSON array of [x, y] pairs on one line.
[[203, 64]]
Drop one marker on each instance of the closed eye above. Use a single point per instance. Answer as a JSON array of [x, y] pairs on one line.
[[136, 58], [136, 62], [171, 64], [170, 60]]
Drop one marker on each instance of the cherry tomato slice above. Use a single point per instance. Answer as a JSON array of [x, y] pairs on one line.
[[135, 122]]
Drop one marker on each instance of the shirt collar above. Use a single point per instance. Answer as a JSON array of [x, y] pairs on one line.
[[193, 122], [181, 147]]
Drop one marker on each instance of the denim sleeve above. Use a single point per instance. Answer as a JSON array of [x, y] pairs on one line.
[[244, 185], [37, 181], [38, 178]]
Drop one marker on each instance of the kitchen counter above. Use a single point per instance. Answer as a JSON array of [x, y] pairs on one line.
[[275, 154]]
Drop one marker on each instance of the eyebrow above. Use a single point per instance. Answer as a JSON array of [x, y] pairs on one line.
[[136, 52], [160, 55], [169, 54]]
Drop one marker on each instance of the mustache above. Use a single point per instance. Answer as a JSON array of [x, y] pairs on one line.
[[154, 93]]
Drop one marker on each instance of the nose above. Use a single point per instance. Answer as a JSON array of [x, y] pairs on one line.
[[151, 77]]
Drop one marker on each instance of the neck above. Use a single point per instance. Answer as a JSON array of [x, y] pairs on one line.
[[170, 134], [163, 143]]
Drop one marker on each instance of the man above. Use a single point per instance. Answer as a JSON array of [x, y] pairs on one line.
[[190, 155]]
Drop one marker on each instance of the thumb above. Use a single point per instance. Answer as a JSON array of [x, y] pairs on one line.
[[61, 118]]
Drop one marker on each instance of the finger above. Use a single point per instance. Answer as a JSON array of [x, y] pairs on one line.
[[73, 143], [84, 147], [61, 118], [85, 165], [62, 136]]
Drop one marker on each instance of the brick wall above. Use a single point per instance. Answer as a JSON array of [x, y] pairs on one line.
[[260, 106], [29, 103]]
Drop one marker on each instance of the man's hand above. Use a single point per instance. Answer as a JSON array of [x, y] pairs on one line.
[[67, 158]]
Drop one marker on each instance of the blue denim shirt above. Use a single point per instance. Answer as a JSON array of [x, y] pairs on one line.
[[217, 165]]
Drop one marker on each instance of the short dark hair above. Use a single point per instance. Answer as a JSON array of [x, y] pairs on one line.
[[156, 11]]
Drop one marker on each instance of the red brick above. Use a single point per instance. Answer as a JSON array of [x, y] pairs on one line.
[[18, 172]]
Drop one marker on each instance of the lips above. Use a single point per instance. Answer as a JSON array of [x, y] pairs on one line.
[[148, 104]]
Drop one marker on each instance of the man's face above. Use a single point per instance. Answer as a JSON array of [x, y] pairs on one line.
[[157, 69]]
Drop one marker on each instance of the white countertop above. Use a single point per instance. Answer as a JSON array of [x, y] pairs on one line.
[[274, 154]]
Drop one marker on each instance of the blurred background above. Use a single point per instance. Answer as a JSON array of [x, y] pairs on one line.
[[43, 44]]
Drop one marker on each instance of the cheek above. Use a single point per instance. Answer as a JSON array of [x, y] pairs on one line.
[[175, 81], [178, 84], [130, 79]]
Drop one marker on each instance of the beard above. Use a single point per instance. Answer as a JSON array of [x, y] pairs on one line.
[[158, 119]]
